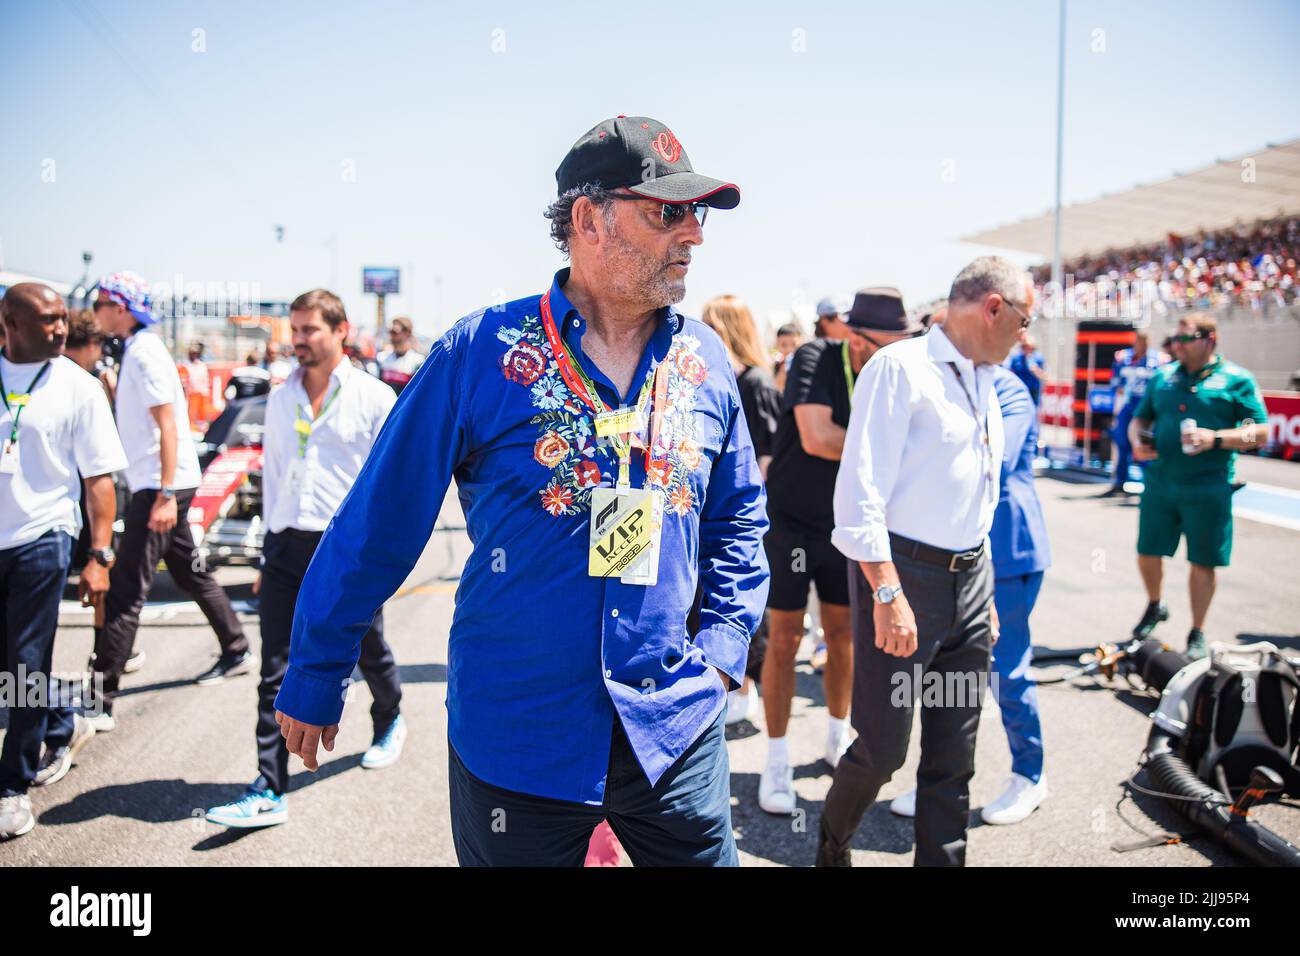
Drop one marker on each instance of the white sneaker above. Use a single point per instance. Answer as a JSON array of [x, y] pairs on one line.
[[55, 764], [776, 789], [835, 747], [904, 805], [740, 705], [386, 749], [1020, 798], [103, 722]]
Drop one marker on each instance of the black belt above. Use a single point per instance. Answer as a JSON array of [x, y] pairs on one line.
[[951, 560]]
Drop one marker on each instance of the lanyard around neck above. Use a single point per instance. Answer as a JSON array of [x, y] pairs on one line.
[[581, 385], [983, 420], [15, 402], [305, 426], [849, 377]]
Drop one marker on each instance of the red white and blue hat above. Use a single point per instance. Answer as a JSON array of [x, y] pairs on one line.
[[132, 291]]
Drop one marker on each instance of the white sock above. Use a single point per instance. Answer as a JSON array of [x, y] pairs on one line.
[[835, 728], [778, 751]]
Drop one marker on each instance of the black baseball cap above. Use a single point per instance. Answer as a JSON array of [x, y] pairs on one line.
[[641, 154]]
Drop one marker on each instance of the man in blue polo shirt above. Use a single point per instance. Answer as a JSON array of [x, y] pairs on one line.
[[604, 465]]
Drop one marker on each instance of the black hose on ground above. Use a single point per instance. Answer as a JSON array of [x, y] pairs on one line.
[[1208, 808]]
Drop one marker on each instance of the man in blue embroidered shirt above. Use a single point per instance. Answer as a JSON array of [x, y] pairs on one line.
[[574, 691]]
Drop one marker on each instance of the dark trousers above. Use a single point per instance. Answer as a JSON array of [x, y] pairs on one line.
[[684, 820], [132, 576], [31, 584], [286, 555], [952, 661]]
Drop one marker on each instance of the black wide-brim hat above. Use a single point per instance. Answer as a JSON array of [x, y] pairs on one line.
[[880, 309], [644, 156]]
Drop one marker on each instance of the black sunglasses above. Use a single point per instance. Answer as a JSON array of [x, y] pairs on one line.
[[672, 214], [1185, 338]]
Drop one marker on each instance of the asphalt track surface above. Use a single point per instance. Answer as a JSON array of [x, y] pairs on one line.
[[137, 795]]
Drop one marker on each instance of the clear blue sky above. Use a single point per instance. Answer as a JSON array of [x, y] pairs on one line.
[[169, 161]]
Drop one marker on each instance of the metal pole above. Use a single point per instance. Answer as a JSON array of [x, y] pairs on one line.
[[1058, 279]]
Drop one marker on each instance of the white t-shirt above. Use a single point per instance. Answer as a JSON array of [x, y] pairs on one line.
[[148, 379], [66, 427], [398, 370], [304, 493]]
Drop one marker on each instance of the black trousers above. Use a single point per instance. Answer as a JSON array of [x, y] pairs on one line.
[[683, 820], [286, 555], [947, 675], [132, 577]]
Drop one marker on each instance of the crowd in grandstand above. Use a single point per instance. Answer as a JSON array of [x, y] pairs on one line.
[[1247, 266]]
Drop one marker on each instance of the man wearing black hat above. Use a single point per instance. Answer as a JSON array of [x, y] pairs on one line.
[[800, 486], [603, 465]]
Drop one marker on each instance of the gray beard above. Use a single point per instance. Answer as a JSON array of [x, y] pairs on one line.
[[640, 277]]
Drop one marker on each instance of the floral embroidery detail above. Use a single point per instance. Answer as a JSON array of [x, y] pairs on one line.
[[689, 449], [551, 449], [550, 393], [557, 499], [692, 367], [661, 472], [566, 443], [586, 474], [523, 363]]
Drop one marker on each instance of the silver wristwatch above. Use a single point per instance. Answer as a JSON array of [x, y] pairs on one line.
[[887, 594], [166, 493]]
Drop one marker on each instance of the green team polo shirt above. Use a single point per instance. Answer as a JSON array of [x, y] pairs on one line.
[[1221, 395]]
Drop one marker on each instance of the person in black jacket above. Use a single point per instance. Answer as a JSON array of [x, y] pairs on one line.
[[732, 319]]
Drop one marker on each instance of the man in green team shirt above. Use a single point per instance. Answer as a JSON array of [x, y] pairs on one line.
[[1197, 413]]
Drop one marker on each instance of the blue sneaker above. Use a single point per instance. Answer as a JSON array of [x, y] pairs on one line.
[[386, 749], [256, 808]]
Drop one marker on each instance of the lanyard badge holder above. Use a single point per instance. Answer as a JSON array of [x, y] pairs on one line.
[[15, 402], [299, 476], [626, 522], [986, 450]]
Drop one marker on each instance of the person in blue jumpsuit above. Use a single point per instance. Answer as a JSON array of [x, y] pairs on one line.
[[1020, 556], [1128, 382]]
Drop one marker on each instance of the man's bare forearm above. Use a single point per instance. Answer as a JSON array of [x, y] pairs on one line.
[[1244, 438], [101, 504], [880, 573], [167, 437]]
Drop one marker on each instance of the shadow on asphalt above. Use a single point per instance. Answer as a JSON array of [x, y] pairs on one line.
[[168, 801], [1287, 641], [422, 673]]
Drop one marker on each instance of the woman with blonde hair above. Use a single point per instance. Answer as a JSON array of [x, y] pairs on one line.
[[731, 318]]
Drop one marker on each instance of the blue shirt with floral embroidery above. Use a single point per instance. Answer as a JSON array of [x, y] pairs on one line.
[[542, 656]]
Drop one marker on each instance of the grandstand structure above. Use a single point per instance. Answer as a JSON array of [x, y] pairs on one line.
[[1224, 238]]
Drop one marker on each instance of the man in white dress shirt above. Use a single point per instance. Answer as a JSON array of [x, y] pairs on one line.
[[914, 502], [320, 426]]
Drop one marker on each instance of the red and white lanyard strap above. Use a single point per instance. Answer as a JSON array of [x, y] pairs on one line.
[[619, 425]]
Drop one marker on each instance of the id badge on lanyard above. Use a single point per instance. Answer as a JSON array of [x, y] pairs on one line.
[[8, 456], [626, 522]]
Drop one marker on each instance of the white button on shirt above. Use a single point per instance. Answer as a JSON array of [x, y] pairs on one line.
[[340, 441], [915, 462]]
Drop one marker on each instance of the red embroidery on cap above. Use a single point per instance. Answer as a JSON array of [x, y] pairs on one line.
[[645, 125], [667, 146]]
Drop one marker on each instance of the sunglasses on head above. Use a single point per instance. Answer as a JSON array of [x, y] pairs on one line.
[[672, 214]]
